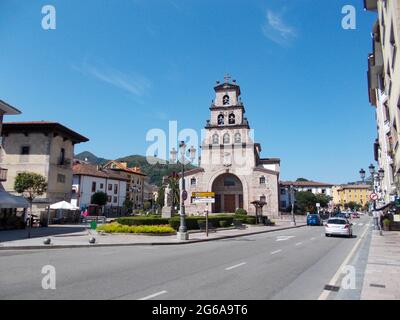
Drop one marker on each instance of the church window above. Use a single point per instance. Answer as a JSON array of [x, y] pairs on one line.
[[193, 181], [231, 118], [262, 180], [238, 138], [225, 100], [221, 120], [227, 138], [215, 139]]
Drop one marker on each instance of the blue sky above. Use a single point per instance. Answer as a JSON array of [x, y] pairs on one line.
[[112, 70]]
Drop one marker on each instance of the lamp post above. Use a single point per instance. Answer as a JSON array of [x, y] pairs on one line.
[[182, 233], [376, 177], [292, 201]]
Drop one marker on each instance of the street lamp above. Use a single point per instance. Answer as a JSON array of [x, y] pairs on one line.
[[292, 200], [182, 234], [362, 174]]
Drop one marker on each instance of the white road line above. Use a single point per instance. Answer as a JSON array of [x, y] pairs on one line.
[[325, 293], [284, 238], [361, 224], [312, 239], [299, 244], [236, 266], [275, 252], [154, 295]]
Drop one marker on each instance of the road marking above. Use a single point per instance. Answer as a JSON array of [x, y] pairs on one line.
[[154, 295], [284, 238], [299, 244], [312, 239], [236, 266], [361, 224], [325, 294], [275, 252]]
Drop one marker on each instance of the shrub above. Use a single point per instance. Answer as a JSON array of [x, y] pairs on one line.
[[241, 212], [225, 224], [142, 221], [246, 219], [118, 228], [251, 220], [192, 223]]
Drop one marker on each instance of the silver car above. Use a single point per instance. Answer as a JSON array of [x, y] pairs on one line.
[[338, 227]]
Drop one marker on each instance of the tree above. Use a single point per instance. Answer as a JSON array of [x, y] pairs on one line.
[[30, 185], [306, 201], [302, 180], [128, 204], [323, 200], [161, 197], [353, 205], [99, 198]]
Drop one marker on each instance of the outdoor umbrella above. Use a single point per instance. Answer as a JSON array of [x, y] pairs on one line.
[[63, 205], [8, 201]]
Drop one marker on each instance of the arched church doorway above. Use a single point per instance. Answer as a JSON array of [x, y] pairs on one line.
[[228, 193]]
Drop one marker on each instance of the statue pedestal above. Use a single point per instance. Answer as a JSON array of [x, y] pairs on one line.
[[166, 212]]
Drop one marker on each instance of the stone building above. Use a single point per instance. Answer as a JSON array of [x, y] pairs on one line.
[[230, 163], [46, 148], [384, 92]]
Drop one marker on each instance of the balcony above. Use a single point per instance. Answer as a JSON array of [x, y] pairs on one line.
[[3, 175]]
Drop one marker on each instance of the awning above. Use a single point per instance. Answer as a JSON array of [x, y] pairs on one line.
[[8, 201], [63, 205]]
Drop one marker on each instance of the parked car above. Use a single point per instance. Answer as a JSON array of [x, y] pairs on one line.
[[339, 227], [355, 215], [314, 220]]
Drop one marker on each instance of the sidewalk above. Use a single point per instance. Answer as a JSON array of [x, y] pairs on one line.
[[382, 274], [80, 239]]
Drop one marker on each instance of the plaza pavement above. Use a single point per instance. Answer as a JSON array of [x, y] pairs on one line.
[[382, 274], [76, 236]]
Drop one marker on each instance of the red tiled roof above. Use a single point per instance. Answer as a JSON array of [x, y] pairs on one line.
[[305, 184], [135, 170], [93, 171]]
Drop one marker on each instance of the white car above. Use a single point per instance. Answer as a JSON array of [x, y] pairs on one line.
[[338, 227]]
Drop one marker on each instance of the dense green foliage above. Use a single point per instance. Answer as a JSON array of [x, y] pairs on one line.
[[241, 212], [99, 198], [30, 184], [155, 170], [192, 223], [146, 221], [119, 228]]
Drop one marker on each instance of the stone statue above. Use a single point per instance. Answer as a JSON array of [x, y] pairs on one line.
[[167, 209]]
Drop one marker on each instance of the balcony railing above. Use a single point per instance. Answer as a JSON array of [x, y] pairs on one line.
[[3, 175]]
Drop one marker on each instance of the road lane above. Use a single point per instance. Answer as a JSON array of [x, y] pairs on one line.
[[186, 272]]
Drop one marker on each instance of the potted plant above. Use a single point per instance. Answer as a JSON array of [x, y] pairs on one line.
[[386, 224]]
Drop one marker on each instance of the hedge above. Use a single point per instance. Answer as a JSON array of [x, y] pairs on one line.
[[119, 228], [142, 221], [192, 223], [246, 219]]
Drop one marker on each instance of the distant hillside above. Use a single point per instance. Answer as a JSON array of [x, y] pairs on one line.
[[154, 172]]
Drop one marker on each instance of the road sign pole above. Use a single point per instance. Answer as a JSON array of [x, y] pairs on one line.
[[207, 221]]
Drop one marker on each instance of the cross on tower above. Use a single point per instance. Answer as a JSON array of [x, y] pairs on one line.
[[227, 78]]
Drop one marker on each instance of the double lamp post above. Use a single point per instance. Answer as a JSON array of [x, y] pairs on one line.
[[183, 160]]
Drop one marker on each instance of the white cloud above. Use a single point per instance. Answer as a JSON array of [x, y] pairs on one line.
[[134, 84], [278, 30]]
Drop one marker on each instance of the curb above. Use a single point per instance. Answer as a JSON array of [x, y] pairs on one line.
[[43, 247]]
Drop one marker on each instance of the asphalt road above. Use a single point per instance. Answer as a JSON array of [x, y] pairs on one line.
[[290, 264]]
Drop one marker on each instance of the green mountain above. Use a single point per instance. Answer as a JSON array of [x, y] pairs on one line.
[[155, 172]]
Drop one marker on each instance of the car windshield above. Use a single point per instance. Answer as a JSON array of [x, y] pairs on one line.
[[337, 221]]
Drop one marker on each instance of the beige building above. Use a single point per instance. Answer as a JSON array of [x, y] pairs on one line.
[[46, 148], [231, 163], [384, 92], [135, 187], [351, 193]]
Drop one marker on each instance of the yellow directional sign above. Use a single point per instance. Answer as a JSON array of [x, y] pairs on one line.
[[203, 194]]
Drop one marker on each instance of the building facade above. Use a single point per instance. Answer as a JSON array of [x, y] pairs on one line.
[[46, 148], [230, 163], [345, 194], [384, 92], [89, 179], [285, 197], [135, 187]]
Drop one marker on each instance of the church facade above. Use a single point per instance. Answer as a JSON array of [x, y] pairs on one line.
[[230, 164]]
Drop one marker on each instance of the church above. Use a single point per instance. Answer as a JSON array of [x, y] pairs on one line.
[[230, 164]]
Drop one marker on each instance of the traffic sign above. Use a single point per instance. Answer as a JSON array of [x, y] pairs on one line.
[[203, 194], [184, 195], [373, 196], [204, 200]]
